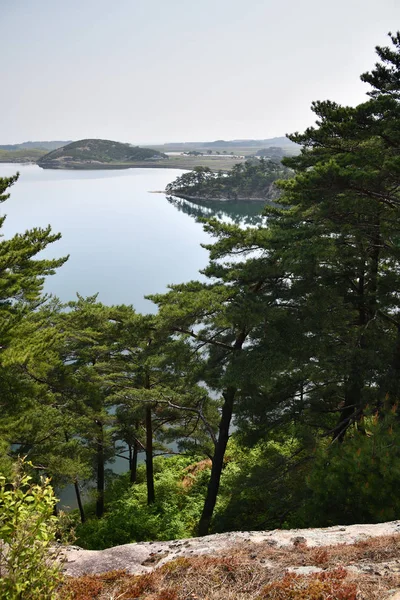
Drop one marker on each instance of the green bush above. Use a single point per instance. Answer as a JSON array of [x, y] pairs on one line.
[[261, 485], [357, 481], [29, 568], [128, 518]]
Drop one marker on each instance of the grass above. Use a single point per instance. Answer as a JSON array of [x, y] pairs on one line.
[[256, 572]]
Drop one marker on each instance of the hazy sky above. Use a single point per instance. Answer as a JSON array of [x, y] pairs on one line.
[[147, 71]]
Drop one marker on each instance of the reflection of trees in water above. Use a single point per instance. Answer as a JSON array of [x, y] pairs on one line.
[[244, 213]]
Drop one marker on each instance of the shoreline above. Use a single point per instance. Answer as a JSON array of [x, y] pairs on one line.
[[107, 167], [184, 164], [221, 200], [140, 165]]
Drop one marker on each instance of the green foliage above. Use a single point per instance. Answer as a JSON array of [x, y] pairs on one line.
[[263, 485], [295, 329], [101, 151], [251, 179], [128, 518], [300, 318], [357, 481], [22, 273], [275, 152], [29, 566], [21, 285]]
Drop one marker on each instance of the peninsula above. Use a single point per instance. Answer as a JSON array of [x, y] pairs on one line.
[[251, 181]]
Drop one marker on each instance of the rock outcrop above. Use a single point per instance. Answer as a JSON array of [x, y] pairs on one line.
[[144, 557]]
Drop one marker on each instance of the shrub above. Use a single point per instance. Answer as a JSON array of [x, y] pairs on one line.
[[356, 481], [29, 568], [261, 485], [128, 518]]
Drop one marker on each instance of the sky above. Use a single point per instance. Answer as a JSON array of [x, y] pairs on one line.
[[155, 71]]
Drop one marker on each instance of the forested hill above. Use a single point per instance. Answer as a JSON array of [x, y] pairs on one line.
[[93, 153], [252, 180]]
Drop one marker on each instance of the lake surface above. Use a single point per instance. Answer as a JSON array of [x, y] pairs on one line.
[[124, 242]]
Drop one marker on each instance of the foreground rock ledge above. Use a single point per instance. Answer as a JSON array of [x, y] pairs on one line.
[[146, 556]]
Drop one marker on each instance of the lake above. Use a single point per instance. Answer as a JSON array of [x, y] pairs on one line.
[[123, 241]]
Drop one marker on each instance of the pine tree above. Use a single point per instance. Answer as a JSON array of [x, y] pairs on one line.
[[22, 277], [108, 378], [22, 274], [347, 189], [299, 319], [223, 320]]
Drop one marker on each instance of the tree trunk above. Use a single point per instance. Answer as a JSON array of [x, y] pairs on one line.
[[130, 457], [351, 410], [217, 461], [100, 472], [79, 501], [133, 461], [353, 400], [77, 490], [220, 446], [390, 388], [149, 458]]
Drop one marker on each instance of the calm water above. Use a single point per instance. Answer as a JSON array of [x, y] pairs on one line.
[[123, 241]]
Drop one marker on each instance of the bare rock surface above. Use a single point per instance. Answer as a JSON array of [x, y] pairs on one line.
[[144, 557]]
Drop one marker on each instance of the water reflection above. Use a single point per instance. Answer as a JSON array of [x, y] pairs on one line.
[[240, 213]]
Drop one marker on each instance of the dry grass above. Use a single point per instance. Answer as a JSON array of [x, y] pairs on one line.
[[362, 571], [192, 470], [373, 550]]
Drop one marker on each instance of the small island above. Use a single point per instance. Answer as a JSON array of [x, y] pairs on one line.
[[251, 181], [99, 154]]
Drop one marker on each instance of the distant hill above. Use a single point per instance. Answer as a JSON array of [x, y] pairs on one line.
[[53, 145], [238, 147], [97, 154], [277, 141]]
